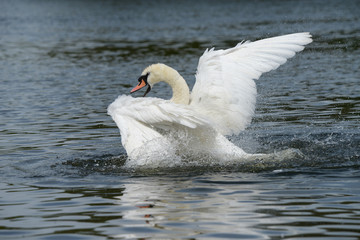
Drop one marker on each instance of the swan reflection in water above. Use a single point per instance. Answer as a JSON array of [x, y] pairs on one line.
[[157, 206], [221, 103]]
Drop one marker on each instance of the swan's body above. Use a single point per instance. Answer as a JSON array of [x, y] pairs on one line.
[[222, 101]]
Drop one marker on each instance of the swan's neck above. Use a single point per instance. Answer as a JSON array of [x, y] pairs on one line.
[[181, 92]]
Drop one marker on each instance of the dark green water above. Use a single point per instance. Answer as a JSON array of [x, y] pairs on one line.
[[61, 160]]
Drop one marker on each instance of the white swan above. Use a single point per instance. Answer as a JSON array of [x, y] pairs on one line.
[[222, 102]]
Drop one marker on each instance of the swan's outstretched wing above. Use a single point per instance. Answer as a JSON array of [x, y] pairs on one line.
[[139, 119], [225, 90]]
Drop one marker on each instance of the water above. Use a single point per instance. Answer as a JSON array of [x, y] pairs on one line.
[[61, 163]]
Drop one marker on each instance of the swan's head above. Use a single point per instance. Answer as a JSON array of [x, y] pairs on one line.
[[151, 75], [161, 73], [143, 82]]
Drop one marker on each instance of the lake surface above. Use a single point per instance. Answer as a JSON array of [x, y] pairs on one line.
[[61, 160]]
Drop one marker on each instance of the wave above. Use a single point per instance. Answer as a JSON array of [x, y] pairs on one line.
[[98, 50], [310, 151], [108, 164]]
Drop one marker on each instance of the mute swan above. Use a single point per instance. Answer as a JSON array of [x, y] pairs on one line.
[[222, 102]]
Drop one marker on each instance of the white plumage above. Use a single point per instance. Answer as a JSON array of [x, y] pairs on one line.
[[222, 101]]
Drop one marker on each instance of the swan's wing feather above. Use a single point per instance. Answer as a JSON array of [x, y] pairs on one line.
[[156, 111], [139, 119], [225, 90]]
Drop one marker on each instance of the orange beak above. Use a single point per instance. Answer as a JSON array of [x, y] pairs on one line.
[[141, 84]]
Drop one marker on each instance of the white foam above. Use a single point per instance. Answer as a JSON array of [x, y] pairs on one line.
[[171, 153]]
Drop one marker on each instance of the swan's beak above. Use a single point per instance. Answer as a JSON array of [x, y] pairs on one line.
[[142, 83]]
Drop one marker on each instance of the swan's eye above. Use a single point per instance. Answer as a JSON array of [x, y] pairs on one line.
[[143, 78]]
